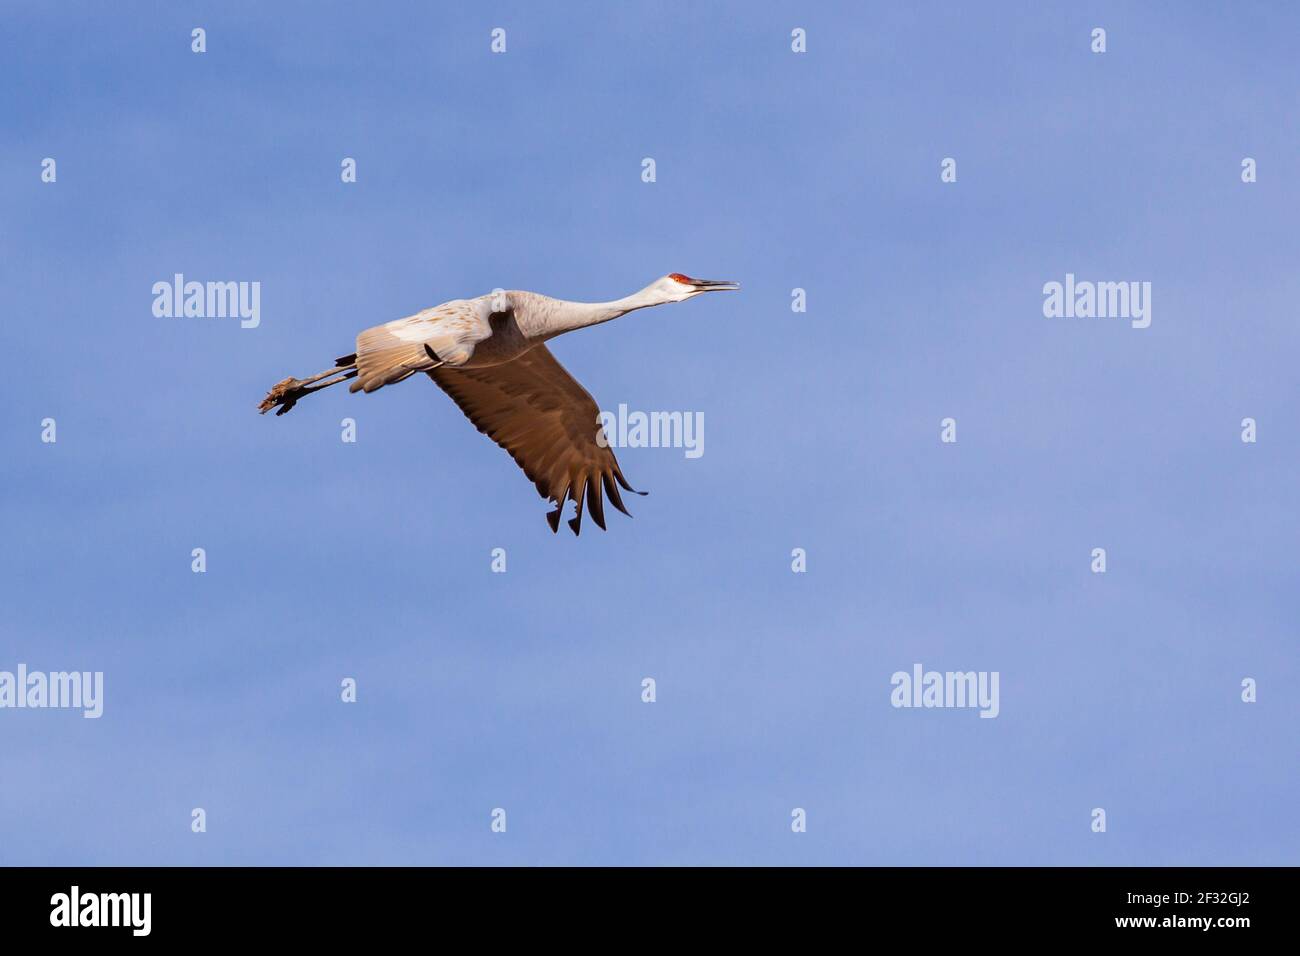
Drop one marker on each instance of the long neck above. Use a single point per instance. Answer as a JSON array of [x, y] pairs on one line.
[[556, 316]]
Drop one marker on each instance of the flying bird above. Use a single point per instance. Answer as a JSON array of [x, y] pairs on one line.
[[489, 355]]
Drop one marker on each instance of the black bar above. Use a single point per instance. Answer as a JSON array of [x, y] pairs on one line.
[[333, 905]]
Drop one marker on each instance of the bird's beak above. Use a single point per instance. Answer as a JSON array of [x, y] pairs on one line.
[[714, 285]]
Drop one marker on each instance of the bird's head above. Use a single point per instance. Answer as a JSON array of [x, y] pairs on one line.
[[676, 287]]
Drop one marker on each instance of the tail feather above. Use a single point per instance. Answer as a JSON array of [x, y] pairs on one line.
[[389, 366], [384, 359]]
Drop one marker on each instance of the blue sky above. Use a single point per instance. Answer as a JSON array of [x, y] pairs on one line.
[[522, 690]]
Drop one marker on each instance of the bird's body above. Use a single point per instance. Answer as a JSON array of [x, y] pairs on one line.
[[489, 354]]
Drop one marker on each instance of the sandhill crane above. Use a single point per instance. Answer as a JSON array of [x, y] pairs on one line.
[[489, 354]]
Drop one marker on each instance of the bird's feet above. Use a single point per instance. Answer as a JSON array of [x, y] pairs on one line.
[[285, 394]]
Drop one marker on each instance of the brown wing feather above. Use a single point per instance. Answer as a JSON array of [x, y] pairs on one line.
[[534, 409]]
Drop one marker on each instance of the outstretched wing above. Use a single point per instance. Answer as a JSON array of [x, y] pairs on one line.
[[538, 412]]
